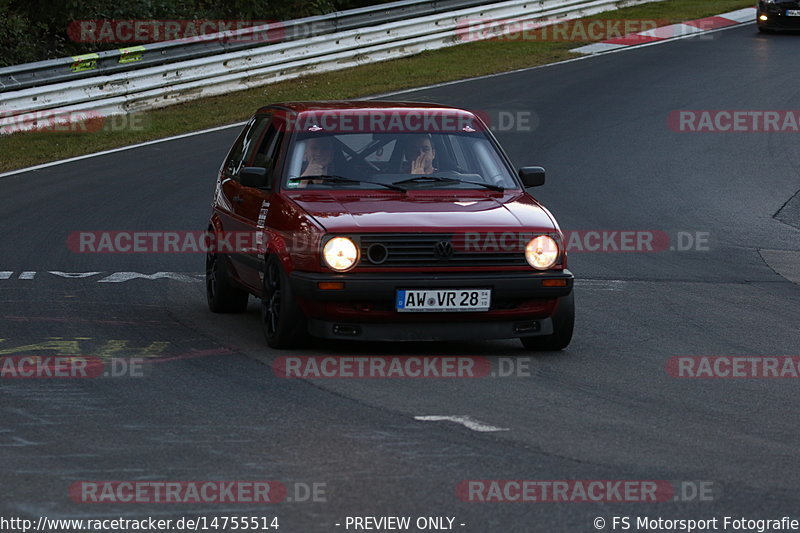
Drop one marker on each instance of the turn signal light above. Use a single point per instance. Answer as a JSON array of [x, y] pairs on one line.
[[330, 285]]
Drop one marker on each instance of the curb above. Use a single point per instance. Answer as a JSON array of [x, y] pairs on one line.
[[673, 31]]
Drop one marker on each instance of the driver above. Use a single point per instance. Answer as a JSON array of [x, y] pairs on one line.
[[317, 161], [318, 156]]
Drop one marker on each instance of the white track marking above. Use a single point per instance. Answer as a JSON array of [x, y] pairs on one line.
[[120, 277], [466, 421], [598, 48], [109, 277], [742, 15], [73, 275], [784, 262], [670, 32]]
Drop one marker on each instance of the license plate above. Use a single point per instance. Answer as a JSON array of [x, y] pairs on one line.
[[793, 12], [443, 300]]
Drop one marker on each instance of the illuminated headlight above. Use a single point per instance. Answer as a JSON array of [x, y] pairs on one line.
[[542, 252], [340, 254]]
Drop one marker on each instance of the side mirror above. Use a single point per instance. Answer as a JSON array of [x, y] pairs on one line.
[[532, 176], [254, 177]]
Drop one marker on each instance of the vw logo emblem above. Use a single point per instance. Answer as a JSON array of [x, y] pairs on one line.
[[443, 250]]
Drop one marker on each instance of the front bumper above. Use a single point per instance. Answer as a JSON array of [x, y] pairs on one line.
[[377, 286], [436, 331], [364, 308]]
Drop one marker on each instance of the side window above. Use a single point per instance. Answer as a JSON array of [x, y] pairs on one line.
[[267, 149], [234, 161], [253, 138]]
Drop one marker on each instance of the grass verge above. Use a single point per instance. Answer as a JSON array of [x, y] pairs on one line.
[[458, 62]]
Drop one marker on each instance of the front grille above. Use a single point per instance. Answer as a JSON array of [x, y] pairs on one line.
[[434, 250]]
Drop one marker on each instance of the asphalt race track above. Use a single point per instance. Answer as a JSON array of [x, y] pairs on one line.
[[208, 405]]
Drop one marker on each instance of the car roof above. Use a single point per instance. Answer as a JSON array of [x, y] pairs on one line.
[[362, 105]]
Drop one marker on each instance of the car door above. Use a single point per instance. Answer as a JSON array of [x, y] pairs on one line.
[[249, 206]]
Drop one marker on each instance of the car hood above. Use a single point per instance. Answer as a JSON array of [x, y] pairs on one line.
[[422, 211]]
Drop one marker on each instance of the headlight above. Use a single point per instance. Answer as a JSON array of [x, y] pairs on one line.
[[340, 254], [542, 252]]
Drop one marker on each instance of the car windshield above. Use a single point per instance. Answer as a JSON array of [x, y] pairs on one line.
[[397, 161]]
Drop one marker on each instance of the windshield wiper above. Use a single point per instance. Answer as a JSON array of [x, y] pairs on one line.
[[438, 179], [330, 178]]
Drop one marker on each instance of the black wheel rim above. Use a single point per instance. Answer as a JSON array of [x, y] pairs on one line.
[[271, 302]]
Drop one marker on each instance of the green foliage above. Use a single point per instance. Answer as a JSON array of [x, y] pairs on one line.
[[18, 38], [34, 30]]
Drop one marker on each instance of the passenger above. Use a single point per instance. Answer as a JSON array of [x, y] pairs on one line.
[[419, 154]]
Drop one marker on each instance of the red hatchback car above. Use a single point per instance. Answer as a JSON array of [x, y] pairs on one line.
[[385, 221]]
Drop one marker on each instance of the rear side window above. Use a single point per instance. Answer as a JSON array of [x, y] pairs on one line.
[[254, 137], [244, 149], [234, 161]]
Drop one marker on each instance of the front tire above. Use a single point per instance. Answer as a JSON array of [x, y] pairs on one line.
[[563, 325], [222, 296], [281, 319]]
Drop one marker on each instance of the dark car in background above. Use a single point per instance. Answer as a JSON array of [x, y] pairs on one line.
[[778, 15]]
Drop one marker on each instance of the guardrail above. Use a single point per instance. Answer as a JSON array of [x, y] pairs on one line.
[[135, 57], [165, 84]]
